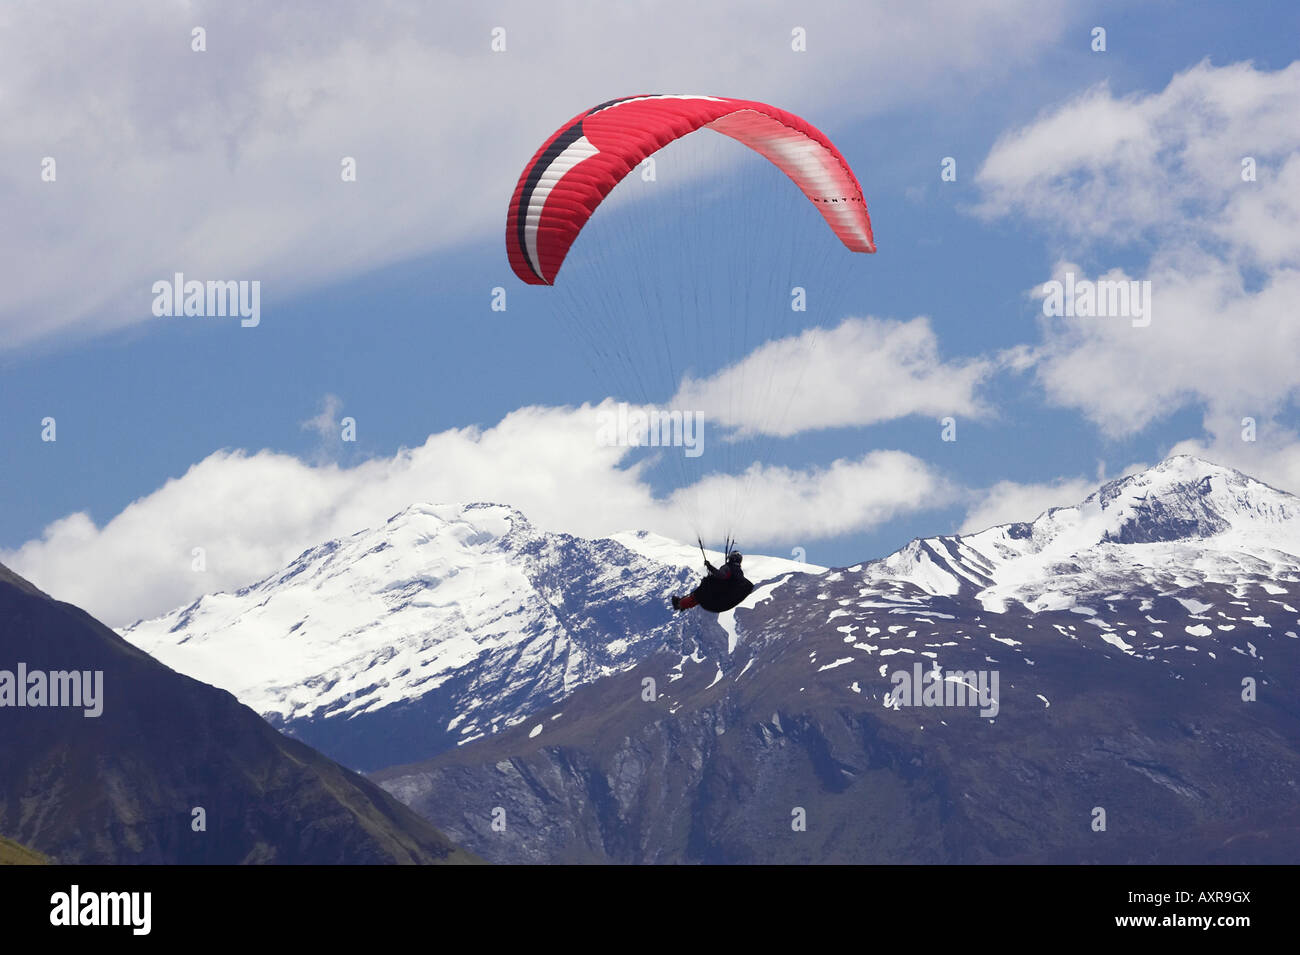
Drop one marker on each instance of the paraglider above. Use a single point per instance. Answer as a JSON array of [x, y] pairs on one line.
[[722, 588], [584, 159], [571, 175]]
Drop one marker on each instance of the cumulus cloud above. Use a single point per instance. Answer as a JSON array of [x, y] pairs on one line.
[[226, 164], [1223, 252], [791, 505], [252, 513], [1105, 167], [1211, 342], [861, 372]]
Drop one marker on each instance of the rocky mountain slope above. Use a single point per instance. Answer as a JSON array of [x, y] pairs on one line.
[[143, 765]]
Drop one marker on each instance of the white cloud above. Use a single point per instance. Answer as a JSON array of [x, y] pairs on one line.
[[1107, 168], [325, 424], [1210, 343], [251, 513], [861, 372], [848, 495], [1224, 254], [225, 164]]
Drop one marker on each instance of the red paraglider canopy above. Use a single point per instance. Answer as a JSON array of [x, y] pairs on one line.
[[589, 155]]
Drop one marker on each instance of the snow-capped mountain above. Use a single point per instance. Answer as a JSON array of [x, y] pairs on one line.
[[1181, 563], [1181, 522], [1140, 651], [447, 623]]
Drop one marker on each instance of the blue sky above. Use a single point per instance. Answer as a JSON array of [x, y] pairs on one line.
[[398, 327]]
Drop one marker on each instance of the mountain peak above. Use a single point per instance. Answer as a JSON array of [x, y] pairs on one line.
[[1184, 509], [1185, 497], [486, 514], [1183, 469]]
